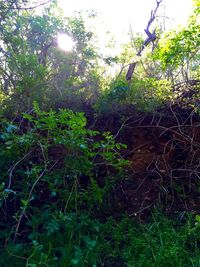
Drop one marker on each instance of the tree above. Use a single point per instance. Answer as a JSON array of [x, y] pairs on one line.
[[151, 37], [178, 51], [32, 66], [26, 41]]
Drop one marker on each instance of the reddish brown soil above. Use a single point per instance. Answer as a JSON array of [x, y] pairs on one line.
[[164, 153]]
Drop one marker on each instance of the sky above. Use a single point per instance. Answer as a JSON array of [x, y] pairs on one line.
[[117, 16]]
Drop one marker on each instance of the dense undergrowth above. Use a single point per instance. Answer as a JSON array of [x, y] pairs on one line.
[[78, 240], [57, 180]]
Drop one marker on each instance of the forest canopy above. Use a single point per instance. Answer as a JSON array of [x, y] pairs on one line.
[[34, 68]]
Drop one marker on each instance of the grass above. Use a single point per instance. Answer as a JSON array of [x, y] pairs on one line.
[[161, 242], [68, 241]]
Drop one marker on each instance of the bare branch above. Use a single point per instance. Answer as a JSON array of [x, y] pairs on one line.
[[9, 5], [151, 37], [130, 71], [34, 6]]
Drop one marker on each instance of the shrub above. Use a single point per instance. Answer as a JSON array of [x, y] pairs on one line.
[[49, 164]]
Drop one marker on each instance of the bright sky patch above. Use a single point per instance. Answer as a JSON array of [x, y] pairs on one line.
[[65, 42]]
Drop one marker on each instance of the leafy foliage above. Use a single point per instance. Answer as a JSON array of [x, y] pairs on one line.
[[45, 165], [145, 94], [179, 50], [159, 243]]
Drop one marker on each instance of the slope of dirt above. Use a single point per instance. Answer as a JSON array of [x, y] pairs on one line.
[[164, 153]]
